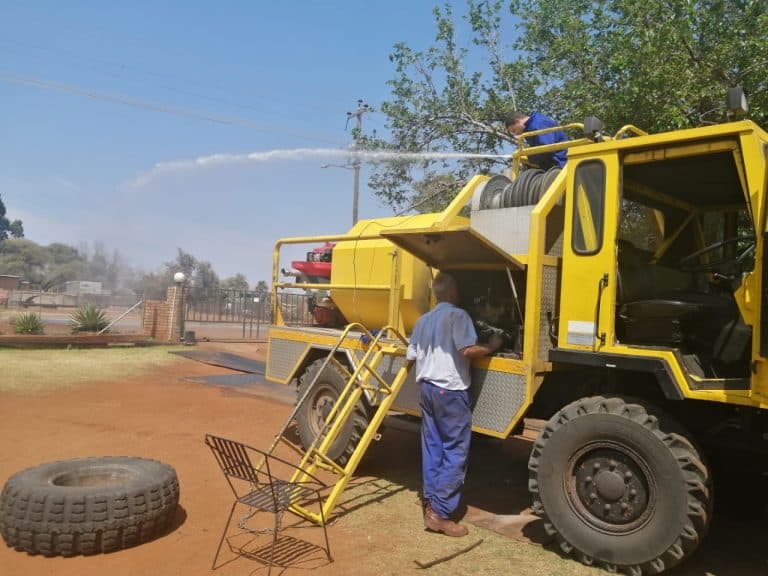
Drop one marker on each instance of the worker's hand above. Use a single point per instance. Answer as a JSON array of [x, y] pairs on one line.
[[495, 342]]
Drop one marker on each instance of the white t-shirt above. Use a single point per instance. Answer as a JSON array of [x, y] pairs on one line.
[[435, 343]]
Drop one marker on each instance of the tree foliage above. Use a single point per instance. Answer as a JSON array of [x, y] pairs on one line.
[[660, 65], [236, 282], [13, 229], [50, 267]]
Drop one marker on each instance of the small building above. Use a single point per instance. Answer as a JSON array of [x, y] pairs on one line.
[[8, 282]]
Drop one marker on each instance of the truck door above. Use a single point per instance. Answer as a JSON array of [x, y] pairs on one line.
[[760, 346], [589, 257]]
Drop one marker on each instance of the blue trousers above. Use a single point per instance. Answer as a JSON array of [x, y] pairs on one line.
[[446, 431]]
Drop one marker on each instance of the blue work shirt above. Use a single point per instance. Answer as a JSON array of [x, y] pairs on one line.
[[436, 342], [537, 121]]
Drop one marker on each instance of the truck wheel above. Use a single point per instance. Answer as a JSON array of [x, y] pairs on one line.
[[620, 486], [311, 416], [88, 505]]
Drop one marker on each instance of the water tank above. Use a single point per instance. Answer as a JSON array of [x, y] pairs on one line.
[[366, 267]]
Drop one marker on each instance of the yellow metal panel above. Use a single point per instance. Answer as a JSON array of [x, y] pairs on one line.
[[665, 139], [451, 248], [741, 397]]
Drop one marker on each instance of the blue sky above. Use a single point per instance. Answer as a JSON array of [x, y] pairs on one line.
[[76, 161]]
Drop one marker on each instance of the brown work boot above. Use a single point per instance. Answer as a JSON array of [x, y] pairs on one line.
[[448, 527]]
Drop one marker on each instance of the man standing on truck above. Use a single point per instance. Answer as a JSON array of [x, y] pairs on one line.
[[518, 122], [442, 344]]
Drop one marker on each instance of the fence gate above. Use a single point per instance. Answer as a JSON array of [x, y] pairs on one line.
[[221, 314]]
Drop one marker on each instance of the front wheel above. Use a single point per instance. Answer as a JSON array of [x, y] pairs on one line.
[[620, 486]]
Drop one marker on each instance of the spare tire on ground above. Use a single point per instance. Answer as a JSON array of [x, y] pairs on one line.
[[88, 505]]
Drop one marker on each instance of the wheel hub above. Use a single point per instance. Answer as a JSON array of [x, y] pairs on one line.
[[322, 405], [610, 487]]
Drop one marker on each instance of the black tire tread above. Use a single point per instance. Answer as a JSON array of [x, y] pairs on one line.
[[349, 437], [37, 521], [685, 453]]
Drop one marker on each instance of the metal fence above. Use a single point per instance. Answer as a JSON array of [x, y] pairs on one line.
[[33, 298], [226, 314]]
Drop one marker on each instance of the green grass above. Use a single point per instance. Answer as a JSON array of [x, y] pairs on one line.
[[381, 505], [46, 370]]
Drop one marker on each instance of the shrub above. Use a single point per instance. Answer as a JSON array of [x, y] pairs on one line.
[[88, 318], [27, 323]]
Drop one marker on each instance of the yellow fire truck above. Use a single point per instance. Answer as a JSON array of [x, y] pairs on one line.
[[629, 287]]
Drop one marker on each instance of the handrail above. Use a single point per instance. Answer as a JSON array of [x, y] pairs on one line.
[[524, 151], [629, 128]]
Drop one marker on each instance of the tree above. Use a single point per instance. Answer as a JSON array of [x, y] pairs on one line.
[[23, 258], [15, 229], [236, 282], [440, 105], [184, 262], [660, 65], [64, 263], [206, 278]]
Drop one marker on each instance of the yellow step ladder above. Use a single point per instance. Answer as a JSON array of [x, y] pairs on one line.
[[388, 342]]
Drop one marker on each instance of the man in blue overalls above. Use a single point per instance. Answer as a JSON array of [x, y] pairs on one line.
[[442, 344], [518, 122]]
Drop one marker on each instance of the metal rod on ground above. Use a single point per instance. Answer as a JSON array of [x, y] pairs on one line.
[[449, 557], [116, 320], [242, 311]]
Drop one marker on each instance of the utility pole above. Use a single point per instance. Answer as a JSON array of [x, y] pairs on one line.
[[362, 108]]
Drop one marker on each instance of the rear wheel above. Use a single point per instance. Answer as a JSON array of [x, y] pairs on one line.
[[310, 418], [620, 486]]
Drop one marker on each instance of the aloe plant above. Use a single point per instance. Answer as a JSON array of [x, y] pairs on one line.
[[27, 323], [88, 318]]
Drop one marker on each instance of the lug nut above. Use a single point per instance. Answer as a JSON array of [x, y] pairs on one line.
[[588, 479]]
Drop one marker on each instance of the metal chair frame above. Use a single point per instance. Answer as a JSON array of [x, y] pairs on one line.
[[265, 492]]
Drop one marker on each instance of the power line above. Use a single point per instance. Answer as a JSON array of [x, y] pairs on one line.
[[119, 69], [155, 107]]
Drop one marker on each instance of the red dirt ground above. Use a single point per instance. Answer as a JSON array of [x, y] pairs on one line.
[[162, 416], [158, 416]]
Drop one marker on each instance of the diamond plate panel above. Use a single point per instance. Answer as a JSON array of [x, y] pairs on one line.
[[497, 398], [283, 356], [548, 299]]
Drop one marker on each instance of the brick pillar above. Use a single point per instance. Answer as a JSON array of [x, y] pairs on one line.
[[153, 309], [161, 319], [173, 300]]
